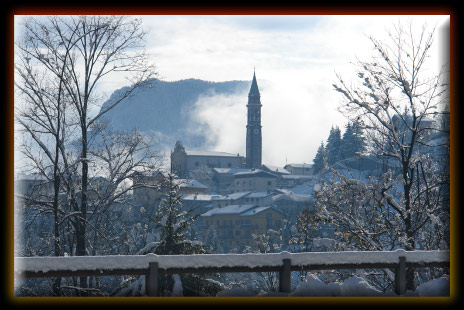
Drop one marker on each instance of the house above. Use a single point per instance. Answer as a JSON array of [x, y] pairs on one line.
[[32, 185], [300, 169], [188, 186], [256, 198], [235, 224], [199, 203], [277, 171], [147, 187], [294, 179], [223, 179], [255, 181], [221, 201]]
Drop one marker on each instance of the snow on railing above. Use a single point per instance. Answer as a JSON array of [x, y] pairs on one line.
[[74, 263], [284, 262]]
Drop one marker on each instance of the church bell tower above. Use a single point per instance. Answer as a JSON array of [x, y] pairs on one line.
[[253, 137]]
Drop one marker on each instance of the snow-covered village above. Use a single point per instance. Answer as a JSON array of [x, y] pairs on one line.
[[232, 156]]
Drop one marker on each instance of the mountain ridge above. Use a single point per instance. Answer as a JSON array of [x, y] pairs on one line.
[[165, 109]]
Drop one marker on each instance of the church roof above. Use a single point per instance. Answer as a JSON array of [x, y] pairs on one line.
[[254, 87], [210, 153]]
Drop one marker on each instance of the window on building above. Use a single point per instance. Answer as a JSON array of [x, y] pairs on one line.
[[229, 165], [197, 164], [269, 183]]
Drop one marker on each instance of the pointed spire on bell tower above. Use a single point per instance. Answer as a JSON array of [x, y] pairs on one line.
[[254, 91], [253, 137]]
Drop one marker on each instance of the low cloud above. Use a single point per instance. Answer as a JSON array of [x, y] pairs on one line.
[[295, 115], [221, 119]]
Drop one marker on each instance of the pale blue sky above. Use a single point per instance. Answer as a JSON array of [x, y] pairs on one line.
[[296, 58]]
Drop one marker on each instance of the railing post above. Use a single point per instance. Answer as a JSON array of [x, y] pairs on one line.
[[151, 280], [400, 276], [285, 276]]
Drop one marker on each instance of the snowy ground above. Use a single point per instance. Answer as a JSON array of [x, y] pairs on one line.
[[354, 286]]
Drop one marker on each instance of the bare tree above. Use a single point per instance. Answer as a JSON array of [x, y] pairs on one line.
[[116, 157], [77, 53], [396, 103], [42, 116]]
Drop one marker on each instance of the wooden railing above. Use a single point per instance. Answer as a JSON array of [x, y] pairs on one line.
[[284, 263]]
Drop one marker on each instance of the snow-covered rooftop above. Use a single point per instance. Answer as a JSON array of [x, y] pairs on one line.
[[189, 183], [230, 170], [276, 169], [254, 173], [234, 196], [211, 153], [258, 195], [198, 197], [299, 165], [257, 210], [231, 209], [297, 177]]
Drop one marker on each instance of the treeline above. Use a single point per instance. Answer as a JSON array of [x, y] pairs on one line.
[[353, 143]]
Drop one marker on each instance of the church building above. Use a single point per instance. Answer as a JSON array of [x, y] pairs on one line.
[[183, 161]]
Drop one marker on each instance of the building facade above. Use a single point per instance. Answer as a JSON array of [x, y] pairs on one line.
[[300, 169], [254, 181], [184, 161], [235, 224], [147, 187]]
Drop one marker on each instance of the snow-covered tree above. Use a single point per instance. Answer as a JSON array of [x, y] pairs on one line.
[[212, 241], [333, 147], [320, 160], [173, 224], [395, 103], [353, 141], [78, 53]]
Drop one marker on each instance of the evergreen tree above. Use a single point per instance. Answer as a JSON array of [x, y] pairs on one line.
[[212, 240], [359, 138], [334, 146], [353, 142], [320, 160], [348, 143], [174, 229], [174, 224]]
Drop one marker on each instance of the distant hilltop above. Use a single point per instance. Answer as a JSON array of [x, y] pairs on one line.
[[164, 110]]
